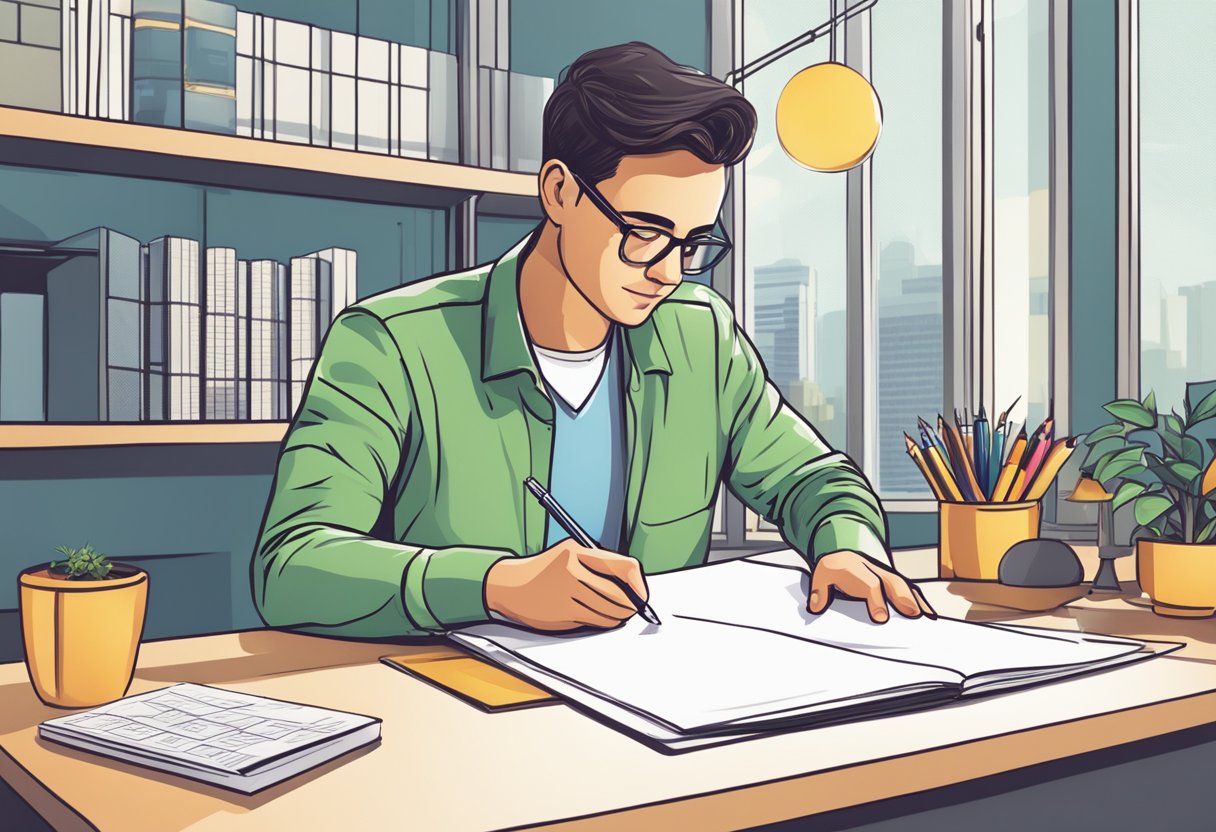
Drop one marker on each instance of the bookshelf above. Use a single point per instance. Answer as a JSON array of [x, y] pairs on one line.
[[103, 146], [91, 145], [50, 435]]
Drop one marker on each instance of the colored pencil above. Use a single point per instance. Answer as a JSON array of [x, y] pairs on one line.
[[1056, 458], [943, 471], [1009, 470], [923, 467], [966, 475]]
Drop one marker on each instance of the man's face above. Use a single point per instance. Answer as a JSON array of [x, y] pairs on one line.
[[674, 191]]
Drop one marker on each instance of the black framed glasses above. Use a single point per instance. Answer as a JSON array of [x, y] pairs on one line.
[[645, 245]]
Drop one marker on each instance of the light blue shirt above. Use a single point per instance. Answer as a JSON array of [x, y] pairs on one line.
[[587, 469]]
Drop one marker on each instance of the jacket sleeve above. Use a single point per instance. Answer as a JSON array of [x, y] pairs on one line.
[[783, 469], [316, 565]]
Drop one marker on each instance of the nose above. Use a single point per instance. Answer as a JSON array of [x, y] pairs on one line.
[[668, 271]]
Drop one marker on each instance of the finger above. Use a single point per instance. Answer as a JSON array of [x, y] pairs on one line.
[[899, 593], [589, 616], [867, 586], [924, 605], [821, 590], [601, 594], [624, 567]]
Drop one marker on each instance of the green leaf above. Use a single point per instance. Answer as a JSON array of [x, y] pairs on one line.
[[1105, 468], [1132, 412], [1127, 492], [1105, 432], [1150, 507], [1192, 451], [1208, 530], [1165, 472], [1203, 411], [1188, 473], [1150, 402]]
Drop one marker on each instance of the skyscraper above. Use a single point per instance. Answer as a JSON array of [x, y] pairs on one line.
[[910, 374], [785, 309]]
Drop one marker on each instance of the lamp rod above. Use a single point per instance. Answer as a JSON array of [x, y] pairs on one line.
[[810, 36]]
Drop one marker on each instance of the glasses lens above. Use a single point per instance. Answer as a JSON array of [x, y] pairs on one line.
[[703, 256], [643, 245]]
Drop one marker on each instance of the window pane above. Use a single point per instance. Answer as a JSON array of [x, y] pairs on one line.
[[907, 217], [794, 255], [1021, 147], [1177, 196]]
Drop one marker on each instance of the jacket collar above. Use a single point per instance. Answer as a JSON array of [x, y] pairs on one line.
[[504, 345]]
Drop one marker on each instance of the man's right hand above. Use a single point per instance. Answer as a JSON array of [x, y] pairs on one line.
[[564, 587]]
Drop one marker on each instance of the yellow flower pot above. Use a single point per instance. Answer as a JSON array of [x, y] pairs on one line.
[[1180, 578], [973, 537], [82, 637]]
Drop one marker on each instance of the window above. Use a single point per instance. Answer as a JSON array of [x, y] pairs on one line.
[[1177, 197], [1021, 201], [907, 223]]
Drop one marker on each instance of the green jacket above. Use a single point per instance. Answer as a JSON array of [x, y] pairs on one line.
[[400, 481]]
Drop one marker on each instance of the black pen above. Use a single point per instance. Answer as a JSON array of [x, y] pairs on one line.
[[583, 539]]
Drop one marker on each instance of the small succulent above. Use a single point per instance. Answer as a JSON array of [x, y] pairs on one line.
[[85, 563]]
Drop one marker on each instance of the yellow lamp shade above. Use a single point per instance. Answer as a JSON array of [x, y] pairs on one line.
[[829, 118], [1089, 490]]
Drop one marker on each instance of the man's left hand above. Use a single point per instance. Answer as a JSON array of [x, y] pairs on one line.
[[856, 576]]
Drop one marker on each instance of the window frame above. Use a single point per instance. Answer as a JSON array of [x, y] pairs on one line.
[[967, 218]]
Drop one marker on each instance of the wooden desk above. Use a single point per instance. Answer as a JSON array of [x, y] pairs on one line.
[[445, 765]]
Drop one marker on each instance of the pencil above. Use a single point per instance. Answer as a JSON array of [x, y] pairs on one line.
[[967, 475], [983, 448], [943, 471], [1056, 458], [922, 466], [1036, 452], [1010, 468]]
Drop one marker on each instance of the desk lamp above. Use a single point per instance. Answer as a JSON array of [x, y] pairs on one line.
[[1089, 490]]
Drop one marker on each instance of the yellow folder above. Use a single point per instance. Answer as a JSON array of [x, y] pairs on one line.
[[486, 686]]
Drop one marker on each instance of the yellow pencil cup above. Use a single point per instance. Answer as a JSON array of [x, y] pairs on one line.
[[973, 537]]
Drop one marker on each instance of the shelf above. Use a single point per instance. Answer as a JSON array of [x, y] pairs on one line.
[[37, 138], [90, 435]]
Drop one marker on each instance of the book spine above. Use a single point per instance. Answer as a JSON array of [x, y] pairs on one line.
[[123, 325], [222, 340], [156, 63]]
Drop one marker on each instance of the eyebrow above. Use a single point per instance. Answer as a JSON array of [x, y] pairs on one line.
[[665, 223]]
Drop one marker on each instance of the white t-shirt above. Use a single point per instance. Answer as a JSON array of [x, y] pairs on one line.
[[572, 375]]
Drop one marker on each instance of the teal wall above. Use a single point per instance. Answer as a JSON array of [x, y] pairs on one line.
[[1092, 218]]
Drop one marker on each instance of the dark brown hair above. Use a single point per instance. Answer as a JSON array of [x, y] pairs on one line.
[[631, 99]]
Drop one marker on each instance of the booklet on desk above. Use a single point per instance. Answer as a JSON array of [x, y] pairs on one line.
[[234, 740], [738, 655]]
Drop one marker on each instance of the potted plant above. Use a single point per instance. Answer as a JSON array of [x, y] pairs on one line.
[[1157, 463], [81, 622]]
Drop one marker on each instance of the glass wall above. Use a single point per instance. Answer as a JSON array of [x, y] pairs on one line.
[[907, 228], [154, 300], [1177, 197], [1021, 191], [795, 244]]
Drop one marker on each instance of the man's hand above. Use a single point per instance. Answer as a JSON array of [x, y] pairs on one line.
[[564, 587], [855, 576]]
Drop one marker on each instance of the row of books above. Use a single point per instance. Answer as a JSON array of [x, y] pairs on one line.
[[974, 461], [128, 331], [205, 65]]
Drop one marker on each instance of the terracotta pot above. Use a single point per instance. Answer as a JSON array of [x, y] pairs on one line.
[[81, 637], [973, 537], [1180, 578]]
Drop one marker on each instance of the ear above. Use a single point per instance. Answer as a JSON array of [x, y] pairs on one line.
[[557, 190]]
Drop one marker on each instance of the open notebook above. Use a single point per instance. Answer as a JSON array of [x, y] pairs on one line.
[[738, 654]]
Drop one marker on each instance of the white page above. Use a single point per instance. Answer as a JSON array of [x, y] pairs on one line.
[[692, 674], [774, 598]]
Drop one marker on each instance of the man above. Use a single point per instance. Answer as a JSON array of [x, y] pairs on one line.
[[578, 358]]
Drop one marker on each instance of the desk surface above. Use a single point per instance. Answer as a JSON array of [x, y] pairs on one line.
[[443, 764]]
